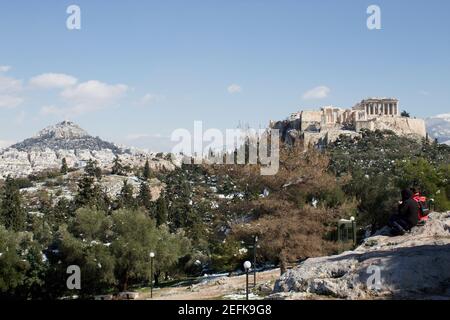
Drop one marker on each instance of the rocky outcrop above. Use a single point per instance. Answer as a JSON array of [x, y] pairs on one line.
[[113, 184], [402, 126], [416, 265]]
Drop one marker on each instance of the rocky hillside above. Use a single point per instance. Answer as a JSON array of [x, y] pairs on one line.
[[47, 148], [415, 265], [65, 135], [439, 127]]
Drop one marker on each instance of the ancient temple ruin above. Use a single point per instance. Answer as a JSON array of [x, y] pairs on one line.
[[326, 124]]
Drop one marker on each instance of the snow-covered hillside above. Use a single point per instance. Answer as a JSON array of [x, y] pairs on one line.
[[439, 127]]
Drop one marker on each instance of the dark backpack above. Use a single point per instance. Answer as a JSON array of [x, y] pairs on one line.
[[424, 210]]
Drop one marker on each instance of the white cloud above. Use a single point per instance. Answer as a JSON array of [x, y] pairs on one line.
[[5, 68], [9, 101], [9, 90], [10, 85], [150, 98], [234, 88], [424, 93], [86, 97], [94, 90], [319, 92], [53, 80], [91, 96]]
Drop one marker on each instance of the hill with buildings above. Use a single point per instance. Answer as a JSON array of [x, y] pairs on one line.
[[323, 126]]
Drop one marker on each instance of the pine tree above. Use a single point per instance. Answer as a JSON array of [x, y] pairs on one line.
[[93, 170], [144, 197], [117, 166], [147, 172], [126, 199], [86, 191], [12, 214], [90, 168], [90, 194], [64, 167]]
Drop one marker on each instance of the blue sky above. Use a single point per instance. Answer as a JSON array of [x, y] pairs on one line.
[[137, 70]]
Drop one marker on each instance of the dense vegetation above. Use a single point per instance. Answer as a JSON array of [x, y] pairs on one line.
[[206, 218], [381, 164]]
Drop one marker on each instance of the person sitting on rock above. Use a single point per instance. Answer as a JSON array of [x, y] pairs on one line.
[[407, 216]]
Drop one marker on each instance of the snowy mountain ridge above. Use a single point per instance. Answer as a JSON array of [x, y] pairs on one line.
[[438, 127]]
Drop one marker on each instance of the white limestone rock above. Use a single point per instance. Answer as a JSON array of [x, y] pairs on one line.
[[415, 265], [402, 126]]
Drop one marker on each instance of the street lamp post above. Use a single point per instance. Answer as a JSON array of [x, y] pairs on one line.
[[247, 266], [255, 244], [152, 256], [352, 219]]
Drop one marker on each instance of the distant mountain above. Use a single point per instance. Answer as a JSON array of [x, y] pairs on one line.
[[66, 140], [439, 127], [65, 135]]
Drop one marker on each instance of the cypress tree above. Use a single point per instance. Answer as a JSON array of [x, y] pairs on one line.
[[161, 211], [147, 171], [144, 197], [64, 167], [12, 214]]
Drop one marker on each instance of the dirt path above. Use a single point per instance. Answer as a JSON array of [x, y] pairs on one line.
[[218, 288]]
